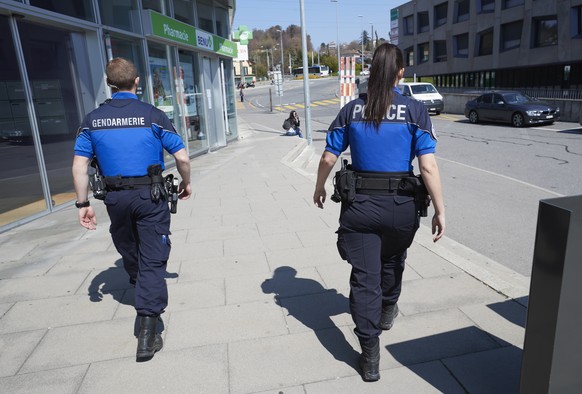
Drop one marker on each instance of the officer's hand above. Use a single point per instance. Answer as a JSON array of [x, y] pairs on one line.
[[438, 226], [185, 191], [319, 197], [87, 218]]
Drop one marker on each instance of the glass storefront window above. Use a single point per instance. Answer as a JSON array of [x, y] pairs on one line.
[[160, 6], [184, 11], [82, 9], [51, 56], [122, 14], [21, 193], [194, 103], [230, 100], [131, 50], [205, 16], [222, 22]]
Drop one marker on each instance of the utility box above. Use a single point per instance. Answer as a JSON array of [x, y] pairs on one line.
[[552, 355]]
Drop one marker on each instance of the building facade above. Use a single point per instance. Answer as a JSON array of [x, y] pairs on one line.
[[52, 60], [485, 44]]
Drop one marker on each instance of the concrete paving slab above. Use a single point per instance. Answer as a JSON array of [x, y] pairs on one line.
[[56, 381], [83, 344], [442, 292], [5, 307], [336, 275], [182, 296], [292, 225], [104, 281], [494, 371], [27, 267], [83, 262], [284, 241], [16, 251], [285, 282], [305, 257], [218, 232], [40, 287], [291, 360], [285, 390], [97, 241], [505, 320], [431, 336], [235, 219], [58, 312], [193, 251], [15, 348], [427, 263], [316, 238], [197, 370], [224, 324], [317, 311], [223, 267], [426, 378]]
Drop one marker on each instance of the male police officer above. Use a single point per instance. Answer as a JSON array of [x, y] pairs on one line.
[[127, 137]]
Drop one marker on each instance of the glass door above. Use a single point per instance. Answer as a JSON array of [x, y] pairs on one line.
[[213, 101], [195, 120]]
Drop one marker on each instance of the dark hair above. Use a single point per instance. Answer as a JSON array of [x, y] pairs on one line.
[[291, 114], [121, 74], [386, 65]]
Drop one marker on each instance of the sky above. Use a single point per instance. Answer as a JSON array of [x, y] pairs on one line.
[[320, 17]]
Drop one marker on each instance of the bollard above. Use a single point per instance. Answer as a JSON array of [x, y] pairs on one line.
[[552, 354]]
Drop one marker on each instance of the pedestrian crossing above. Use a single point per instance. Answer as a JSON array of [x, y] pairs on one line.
[[318, 103]]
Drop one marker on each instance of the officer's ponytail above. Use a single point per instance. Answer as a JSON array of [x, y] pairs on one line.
[[384, 74]]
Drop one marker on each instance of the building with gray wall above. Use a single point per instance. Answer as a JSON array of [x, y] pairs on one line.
[[479, 44]]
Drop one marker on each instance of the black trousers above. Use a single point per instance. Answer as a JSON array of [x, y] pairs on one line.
[[140, 229], [375, 232]]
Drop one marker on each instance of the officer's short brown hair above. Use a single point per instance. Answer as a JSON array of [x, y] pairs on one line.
[[121, 73]]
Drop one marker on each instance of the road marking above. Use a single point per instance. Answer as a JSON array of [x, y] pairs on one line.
[[503, 176]]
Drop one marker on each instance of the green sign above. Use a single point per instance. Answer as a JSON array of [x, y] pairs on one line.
[[171, 29]]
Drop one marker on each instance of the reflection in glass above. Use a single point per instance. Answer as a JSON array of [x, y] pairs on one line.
[[196, 126], [50, 64], [122, 14], [230, 100], [21, 193], [81, 9], [131, 50]]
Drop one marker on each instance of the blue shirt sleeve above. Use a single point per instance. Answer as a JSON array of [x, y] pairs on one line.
[[337, 140], [425, 139], [83, 145], [165, 131]]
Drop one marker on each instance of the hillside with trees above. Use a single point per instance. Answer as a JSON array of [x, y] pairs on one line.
[[269, 42]]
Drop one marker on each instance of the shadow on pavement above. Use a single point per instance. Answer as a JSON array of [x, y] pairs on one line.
[[472, 357], [313, 305], [512, 310], [111, 280]]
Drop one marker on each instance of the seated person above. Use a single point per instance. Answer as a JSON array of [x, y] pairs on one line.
[[291, 125]]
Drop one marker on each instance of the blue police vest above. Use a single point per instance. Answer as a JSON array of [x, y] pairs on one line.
[[405, 132], [127, 135]]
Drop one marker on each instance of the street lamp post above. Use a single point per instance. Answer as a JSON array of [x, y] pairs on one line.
[[372, 47], [362, 29], [337, 44], [282, 63]]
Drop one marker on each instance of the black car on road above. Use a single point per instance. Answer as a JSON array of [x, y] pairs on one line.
[[510, 107]]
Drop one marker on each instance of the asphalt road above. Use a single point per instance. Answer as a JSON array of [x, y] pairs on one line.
[[493, 175]]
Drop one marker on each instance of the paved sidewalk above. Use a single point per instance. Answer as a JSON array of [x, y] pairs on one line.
[[258, 296]]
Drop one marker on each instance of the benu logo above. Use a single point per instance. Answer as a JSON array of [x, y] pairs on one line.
[[204, 40]]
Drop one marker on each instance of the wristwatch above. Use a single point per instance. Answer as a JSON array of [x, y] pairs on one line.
[[82, 204]]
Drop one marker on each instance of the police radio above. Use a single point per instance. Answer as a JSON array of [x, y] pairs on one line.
[[172, 184]]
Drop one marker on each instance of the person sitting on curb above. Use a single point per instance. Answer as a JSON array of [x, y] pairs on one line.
[[291, 125]]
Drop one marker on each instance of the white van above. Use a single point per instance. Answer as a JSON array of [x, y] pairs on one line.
[[424, 92]]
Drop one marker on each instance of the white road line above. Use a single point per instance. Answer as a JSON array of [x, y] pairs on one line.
[[502, 176]]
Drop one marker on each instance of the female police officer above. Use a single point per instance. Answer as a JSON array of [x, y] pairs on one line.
[[384, 131], [127, 137]]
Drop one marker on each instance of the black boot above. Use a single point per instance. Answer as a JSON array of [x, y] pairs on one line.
[[148, 340], [389, 313], [370, 360]]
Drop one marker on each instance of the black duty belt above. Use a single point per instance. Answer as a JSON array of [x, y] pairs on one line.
[[127, 183], [384, 183]]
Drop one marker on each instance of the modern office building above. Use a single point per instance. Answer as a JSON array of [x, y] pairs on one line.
[[479, 44], [52, 59]]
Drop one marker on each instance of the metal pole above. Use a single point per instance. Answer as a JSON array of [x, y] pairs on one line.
[[282, 62], [337, 44], [362, 29], [305, 74]]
